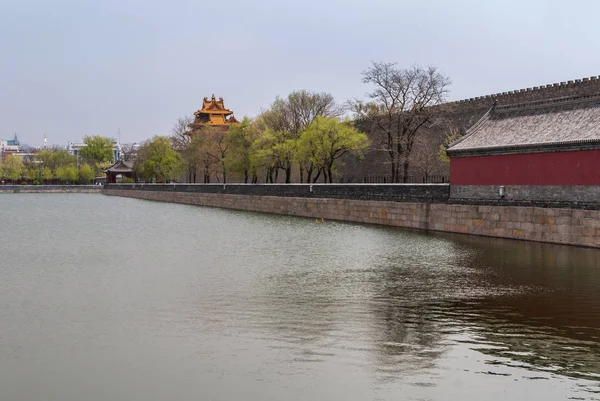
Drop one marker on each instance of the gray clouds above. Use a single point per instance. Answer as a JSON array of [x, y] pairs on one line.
[[71, 68]]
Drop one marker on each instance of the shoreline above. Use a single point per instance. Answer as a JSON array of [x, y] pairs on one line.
[[422, 207], [49, 189]]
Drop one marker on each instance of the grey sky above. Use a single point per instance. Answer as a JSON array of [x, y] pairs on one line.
[[70, 68]]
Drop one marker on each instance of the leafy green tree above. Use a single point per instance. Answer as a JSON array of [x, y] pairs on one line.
[[32, 173], [157, 159], [60, 174], [291, 115], [54, 158], [326, 140], [47, 174], [453, 135], [86, 174], [240, 159], [274, 145], [71, 174], [127, 180], [97, 150], [13, 168], [274, 150]]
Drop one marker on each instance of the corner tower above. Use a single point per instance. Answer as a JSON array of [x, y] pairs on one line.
[[213, 114]]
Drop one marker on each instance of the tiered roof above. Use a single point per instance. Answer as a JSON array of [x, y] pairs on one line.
[[565, 123], [122, 166], [213, 113]]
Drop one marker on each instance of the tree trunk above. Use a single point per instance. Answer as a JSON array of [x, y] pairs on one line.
[[301, 173], [270, 175], [317, 176], [245, 176], [288, 174], [405, 169]]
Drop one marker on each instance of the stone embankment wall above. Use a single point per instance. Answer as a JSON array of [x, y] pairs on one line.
[[80, 189], [391, 192], [571, 196], [545, 224]]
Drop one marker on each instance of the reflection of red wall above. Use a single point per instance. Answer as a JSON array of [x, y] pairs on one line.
[[580, 167]]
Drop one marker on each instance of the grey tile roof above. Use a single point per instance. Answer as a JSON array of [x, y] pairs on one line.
[[543, 124], [122, 166]]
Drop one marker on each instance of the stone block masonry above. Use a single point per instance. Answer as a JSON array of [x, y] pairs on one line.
[[380, 192], [49, 189], [575, 196], [553, 225]]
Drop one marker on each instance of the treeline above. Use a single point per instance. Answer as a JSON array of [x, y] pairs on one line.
[[301, 136], [398, 130], [304, 137], [53, 166]]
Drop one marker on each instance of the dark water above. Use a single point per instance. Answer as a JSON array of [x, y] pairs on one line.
[[105, 298]]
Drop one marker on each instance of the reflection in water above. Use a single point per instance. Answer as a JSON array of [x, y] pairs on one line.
[[198, 303], [553, 323]]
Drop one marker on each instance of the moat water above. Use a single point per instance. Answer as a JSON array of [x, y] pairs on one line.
[[107, 298]]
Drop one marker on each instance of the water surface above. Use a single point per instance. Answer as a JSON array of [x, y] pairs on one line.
[[107, 298]]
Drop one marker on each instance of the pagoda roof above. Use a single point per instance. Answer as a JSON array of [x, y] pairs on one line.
[[233, 120], [213, 106], [565, 123], [122, 166]]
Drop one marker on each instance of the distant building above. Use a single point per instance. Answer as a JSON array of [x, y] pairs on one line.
[[74, 148], [9, 146], [213, 114]]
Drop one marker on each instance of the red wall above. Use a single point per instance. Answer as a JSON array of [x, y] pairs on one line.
[[580, 167]]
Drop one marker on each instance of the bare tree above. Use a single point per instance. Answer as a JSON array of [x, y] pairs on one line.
[[425, 159], [129, 151], [400, 105], [180, 132], [304, 107], [181, 142], [217, 146]]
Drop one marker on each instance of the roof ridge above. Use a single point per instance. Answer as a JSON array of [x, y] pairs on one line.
[[539, 146], [475, 127]]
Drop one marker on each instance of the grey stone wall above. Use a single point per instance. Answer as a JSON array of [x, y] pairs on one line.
[[50, 189], [578, 197], [585, 86], [552, 194], [380, 192], [562, 226]]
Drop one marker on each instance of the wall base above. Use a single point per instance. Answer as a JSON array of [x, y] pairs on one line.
[[552, 225], [47, 189]]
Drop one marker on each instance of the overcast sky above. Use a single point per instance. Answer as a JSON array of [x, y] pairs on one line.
[[70, 68]]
